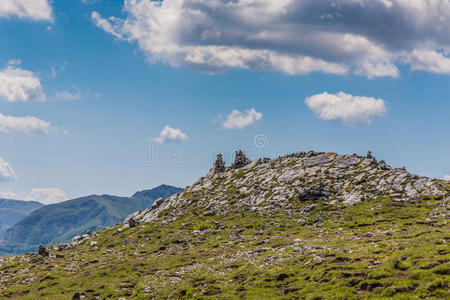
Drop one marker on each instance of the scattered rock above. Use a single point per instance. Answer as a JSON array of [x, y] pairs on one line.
[[315, 192], [209, 213]]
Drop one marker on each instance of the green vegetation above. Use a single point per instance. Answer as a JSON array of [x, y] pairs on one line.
[[376, 249]]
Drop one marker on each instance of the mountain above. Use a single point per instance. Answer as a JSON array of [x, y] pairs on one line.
[[59, 223], [302, 226], [12, 211], [162, 191]]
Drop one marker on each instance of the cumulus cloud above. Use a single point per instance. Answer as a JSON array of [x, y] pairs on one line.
[[37, 10], [170, 135], [18, 85], [8, 195], [447, 177], [27, 125], [430, 61], [347, 108], [47, 195], [363, 37], [239, 120], [6, 171]]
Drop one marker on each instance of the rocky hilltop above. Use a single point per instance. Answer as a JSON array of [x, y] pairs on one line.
[[268, 185], [303, 226]]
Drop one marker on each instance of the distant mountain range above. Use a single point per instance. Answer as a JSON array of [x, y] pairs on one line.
[[13, 211], [58, 223]]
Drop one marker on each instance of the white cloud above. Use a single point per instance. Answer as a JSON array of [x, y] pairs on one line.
[[430, 61], [68, 96], [363, 37], [27, 125], [37, 10], [170, 135], [6, 171], [47, 195], [8, 195], [447, 177], [239, 120], [18, 85], [347, 108], [106, 25], [76, 94]]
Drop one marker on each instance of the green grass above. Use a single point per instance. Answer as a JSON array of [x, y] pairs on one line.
[[377, 249]]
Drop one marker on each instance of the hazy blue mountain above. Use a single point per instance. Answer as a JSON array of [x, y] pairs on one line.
[[58, 223], [13, 211]]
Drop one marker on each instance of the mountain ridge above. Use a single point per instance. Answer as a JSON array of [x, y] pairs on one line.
[[12, 211], [58, 223]]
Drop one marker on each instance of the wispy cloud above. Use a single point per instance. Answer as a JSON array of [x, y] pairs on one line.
[[8, 195], [6, 171], [76, 94], [68, 96]]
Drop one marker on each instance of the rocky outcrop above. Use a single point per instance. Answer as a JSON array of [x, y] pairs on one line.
[[76, 240], [269, 185]]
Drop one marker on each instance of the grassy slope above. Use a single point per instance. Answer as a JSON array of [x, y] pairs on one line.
[[376, 249]]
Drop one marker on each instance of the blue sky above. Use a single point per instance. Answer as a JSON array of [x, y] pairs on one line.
[[109, 86]]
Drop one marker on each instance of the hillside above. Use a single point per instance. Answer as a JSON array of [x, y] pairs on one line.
[[303, 226], [12, 211], [58, 223]]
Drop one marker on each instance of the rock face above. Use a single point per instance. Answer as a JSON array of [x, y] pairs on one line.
[[270, 185]]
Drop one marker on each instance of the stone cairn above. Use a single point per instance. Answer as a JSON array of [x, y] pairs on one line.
[[240, 160], [42, 250], [219, 165]]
